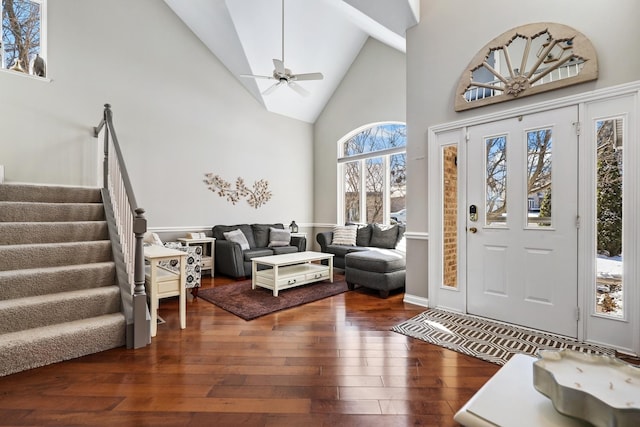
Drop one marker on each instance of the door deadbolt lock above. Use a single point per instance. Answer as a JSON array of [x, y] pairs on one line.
[[473, 213], [473, 230]]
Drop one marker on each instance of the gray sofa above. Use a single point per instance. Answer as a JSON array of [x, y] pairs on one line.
[[374, 261], [382, 241], [234, 261]]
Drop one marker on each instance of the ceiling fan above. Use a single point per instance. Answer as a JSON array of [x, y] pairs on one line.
[[284, 76]]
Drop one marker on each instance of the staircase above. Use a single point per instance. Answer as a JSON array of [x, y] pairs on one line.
[[58, 295]]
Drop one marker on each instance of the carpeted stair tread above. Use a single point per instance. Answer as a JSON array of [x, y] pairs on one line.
[[47, 212], [18, 257], [41, 281], [43, 310], [59, 297], [33, 348], [49, 193], [17, 233]]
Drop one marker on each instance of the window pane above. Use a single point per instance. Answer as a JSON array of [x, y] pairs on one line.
[[376, 138], [20, 34], [496, 180], [398, 188], [609, 284], [539, 145], [450, 215], [352, 192], [375, 189]]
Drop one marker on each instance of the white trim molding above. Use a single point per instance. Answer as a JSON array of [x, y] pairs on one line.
[[416, 300], [416, 235], [595, 95]]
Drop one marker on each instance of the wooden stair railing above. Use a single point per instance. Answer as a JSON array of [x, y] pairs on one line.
[[127, 226]]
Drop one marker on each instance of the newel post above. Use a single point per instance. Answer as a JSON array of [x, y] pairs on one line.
[[142, 331]]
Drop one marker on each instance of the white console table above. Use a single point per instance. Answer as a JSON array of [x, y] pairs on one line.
[[162, 283], [510, 399]]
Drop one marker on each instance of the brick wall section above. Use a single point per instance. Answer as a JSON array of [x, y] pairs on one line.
[[450, 215]]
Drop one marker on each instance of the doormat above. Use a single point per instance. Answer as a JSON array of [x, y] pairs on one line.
[[239, 299], [484, 339]]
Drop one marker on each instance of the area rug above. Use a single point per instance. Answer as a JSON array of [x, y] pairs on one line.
[[239, 299], [484, 339]]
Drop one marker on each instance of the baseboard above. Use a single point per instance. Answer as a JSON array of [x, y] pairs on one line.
[[416, 300]]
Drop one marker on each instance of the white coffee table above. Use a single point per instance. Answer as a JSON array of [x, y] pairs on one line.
[[290, 270]]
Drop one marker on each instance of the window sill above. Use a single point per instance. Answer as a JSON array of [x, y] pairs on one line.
[[30, 76]]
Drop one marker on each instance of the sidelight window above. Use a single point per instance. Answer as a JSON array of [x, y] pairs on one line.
[[609, 217]]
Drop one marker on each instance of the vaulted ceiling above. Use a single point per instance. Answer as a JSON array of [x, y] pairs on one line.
[[319, 36]]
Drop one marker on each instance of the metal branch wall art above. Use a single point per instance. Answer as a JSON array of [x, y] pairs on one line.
[[256, 197]]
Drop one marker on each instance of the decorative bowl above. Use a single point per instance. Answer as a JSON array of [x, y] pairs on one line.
[[602, 390]]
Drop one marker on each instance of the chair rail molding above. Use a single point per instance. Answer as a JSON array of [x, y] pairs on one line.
[[416, 235]]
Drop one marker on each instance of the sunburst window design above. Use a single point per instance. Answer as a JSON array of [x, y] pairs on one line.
[[524, 61]]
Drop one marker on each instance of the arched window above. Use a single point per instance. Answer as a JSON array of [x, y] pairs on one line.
[[372, 174]]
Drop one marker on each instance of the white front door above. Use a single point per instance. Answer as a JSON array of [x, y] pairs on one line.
[[522, 218]]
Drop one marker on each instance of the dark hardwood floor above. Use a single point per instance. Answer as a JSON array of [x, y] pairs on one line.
[[329, 363]]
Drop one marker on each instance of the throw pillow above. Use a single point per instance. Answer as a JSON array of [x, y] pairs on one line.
[[363, 237], [386, 239], [345, 235], [152, 239], [279, 237], [261, 234], [238, 237]]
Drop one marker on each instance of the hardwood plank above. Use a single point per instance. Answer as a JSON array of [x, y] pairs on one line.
[[215, 404], [331, 362]]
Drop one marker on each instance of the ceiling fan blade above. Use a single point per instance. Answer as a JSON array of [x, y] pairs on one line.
[[272, 88], [308, 76], [301, 91], [252, 76], [279, 66]]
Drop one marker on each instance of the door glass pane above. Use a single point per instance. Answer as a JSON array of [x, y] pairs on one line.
[[496, 180], [375, 189], [450, 215], [398, 188], [539, 144], [352, 192], [609, 286]]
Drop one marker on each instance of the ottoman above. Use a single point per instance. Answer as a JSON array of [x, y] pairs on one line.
[[383, 270]]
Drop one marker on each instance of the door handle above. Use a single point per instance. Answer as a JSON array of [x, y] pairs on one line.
[[473, 230]]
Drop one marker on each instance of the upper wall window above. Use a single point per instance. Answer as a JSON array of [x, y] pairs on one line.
[[23, 36], [372, 169]]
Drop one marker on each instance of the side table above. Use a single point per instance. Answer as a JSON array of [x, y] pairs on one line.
[[162, 283], [208, 251]]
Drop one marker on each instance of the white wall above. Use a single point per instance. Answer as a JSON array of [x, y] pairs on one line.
[[178, 112], [439, 48], [373, 90]]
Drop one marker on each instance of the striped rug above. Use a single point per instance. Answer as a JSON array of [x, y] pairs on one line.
[[485, 339]]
